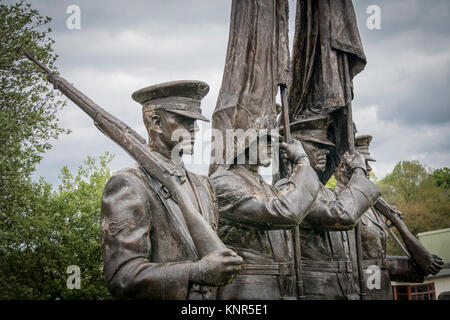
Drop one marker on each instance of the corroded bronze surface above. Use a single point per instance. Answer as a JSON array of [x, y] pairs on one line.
[[152, 248]]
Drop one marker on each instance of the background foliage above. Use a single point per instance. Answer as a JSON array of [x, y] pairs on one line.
[[42, 231], [28, 105], [57, 229], [421, 194]]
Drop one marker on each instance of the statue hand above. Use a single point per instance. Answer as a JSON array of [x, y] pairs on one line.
[[435, 265], [355, 161], [216, 269], [294, 151]]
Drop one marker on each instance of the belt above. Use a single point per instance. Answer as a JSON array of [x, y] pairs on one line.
[[271, 269], [380, 262], [328, 266]]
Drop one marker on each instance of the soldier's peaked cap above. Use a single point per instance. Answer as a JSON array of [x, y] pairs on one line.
[[362, 144], [313, 129], [180, 97]]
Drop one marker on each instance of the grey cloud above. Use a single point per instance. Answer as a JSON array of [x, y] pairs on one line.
[[400, 16], [161, 15]]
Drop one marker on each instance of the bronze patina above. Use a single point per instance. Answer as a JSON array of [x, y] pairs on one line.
[[168, 233], [413, 267]]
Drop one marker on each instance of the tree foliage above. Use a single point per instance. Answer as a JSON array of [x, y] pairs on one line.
[[442, 178], [28, 105], [421, 196], [57, 229]]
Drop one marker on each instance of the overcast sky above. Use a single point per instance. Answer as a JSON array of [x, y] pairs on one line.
[[402, 97]]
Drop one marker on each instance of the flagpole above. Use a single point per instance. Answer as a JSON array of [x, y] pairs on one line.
[[351, 145], [296, 231]]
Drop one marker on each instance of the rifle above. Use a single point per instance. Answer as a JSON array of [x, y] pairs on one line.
[[203, 236], [415, 250]]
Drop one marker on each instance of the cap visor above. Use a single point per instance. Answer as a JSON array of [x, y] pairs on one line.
[[324, 142], [189, 114]]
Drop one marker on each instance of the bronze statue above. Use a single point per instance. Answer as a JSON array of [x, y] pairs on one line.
[[255, 219], [325, 32], [136, 263], [327, 237], [148, 250], [257, 62], [254, 216], [161, 224], [327, 55], [374, 235]]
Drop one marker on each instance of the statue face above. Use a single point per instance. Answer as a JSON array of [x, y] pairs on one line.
[[317, 154], [176, 130]]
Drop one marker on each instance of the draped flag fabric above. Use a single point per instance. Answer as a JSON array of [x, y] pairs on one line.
[[257, 61], [326, 32]]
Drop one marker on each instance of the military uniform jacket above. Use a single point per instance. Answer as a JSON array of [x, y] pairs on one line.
[[330, 270], [147, 248], [255, 219], [374, 236]]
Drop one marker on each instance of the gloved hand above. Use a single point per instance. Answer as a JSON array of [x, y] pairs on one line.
[[216, 269], [294, 152], [355, 161]]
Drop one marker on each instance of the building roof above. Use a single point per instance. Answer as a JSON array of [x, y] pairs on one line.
[[437, 242]]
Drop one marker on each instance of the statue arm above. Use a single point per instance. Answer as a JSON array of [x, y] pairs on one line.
[[126, 245], [339, 211], [402, 269], [240, 204]]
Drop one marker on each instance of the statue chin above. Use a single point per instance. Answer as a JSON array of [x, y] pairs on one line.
[[319, 168]]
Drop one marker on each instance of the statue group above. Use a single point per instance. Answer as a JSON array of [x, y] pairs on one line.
[[168, 233]]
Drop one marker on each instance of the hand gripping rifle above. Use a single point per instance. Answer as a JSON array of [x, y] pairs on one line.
[[203, 236], [415, 250]]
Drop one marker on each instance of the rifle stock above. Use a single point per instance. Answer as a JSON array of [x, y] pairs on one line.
[[203, 236]]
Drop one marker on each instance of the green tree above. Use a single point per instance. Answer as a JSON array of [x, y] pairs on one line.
[[28, 105], [442, 178], [60, 229], [42, 231], [414, 190]]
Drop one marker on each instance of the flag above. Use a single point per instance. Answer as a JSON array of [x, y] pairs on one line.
[[257, 62]]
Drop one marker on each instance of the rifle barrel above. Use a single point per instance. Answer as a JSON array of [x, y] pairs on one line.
[[204, 237], [36, 61]]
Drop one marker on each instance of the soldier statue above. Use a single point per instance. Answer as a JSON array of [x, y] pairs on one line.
[[374, 235], [148, 252], [327, 237], [255, 219]]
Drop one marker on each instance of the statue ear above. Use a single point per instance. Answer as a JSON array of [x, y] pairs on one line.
[[156, 123]]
